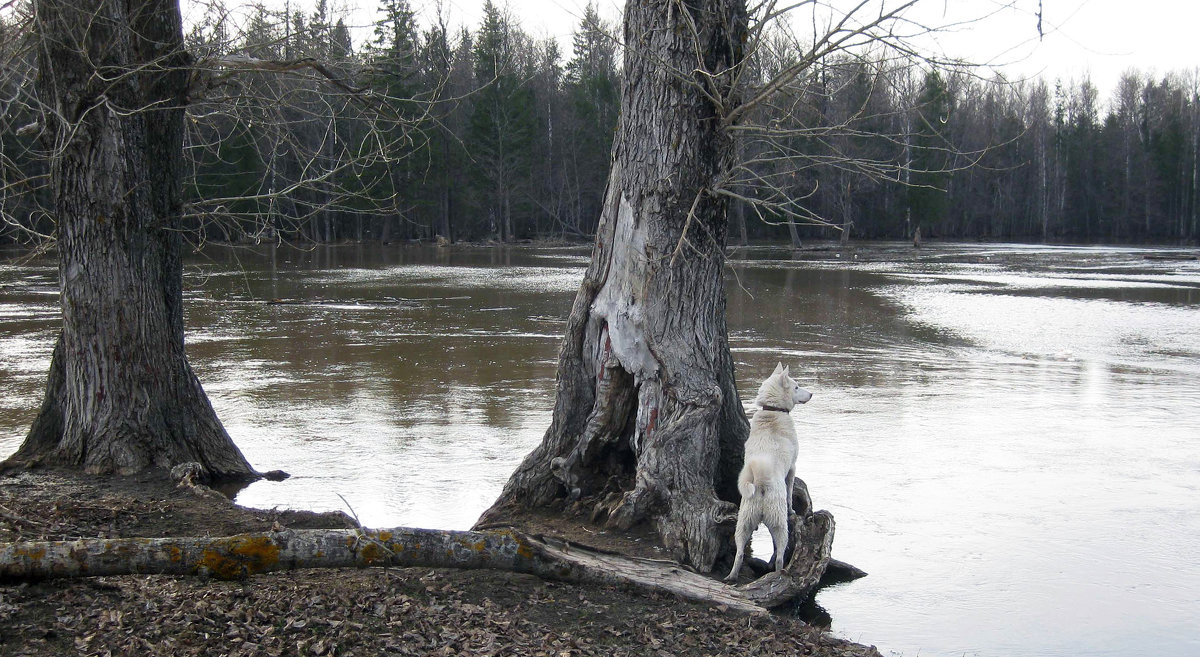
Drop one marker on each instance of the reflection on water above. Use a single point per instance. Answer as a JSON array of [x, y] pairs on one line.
[[1006, 434]]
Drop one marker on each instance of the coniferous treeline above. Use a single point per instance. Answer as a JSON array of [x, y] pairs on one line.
[[423, 131]]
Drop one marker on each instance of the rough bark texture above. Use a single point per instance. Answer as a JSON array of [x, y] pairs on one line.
[[647, 423], [120, 396]]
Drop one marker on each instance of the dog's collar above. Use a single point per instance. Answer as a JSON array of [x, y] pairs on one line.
[[775, 408]]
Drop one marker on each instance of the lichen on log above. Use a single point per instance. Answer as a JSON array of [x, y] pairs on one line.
[[244, 555]]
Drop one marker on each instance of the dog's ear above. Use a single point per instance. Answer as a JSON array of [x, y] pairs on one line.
[[786, 370], [778, 370]]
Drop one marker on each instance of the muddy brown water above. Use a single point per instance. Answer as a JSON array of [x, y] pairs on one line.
[[1008, 436]]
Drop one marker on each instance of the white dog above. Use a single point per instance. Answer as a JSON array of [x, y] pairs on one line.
[[769, 467]]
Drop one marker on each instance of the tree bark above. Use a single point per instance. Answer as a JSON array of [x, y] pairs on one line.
[[647, 426], [120, 394], [647, 423]]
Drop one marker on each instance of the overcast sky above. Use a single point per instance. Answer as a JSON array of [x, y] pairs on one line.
[[1102, 38]]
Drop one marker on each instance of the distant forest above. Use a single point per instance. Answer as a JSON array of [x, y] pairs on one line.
[[296, 131]]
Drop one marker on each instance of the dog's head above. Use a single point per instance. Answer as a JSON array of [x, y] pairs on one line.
[[780, 390]]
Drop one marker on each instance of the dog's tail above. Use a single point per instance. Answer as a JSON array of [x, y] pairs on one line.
[[746, 488], [747, 479]]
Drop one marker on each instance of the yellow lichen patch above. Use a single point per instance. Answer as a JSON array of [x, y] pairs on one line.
[[174, 554], [480, 546], [32, 554], [524, 551], [239, 556], [373, 553], [385, 536]]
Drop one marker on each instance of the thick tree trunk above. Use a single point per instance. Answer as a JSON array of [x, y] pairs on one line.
[[647, 424], [121, 396]]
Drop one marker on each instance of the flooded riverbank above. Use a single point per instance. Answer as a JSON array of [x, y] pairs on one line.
[[1007, 435]]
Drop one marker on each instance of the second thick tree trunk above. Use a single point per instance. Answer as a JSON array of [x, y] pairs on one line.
[[647, 423]]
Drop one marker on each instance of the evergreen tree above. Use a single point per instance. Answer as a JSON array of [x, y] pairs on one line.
[[930, 179], [442, 154], [393, 50], [394, 75], [501, 124], [593, 87]]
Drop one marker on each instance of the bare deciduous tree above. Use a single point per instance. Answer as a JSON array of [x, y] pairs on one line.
[[112, 87], [112, 84], [647, 426]]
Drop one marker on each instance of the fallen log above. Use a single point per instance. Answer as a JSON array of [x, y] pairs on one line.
[[244, 555], [238, 557]]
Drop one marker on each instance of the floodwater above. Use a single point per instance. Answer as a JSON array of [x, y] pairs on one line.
[[1008, 436]]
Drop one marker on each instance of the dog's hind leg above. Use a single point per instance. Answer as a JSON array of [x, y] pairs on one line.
[[741, 538], [791, 483], [776, 521]]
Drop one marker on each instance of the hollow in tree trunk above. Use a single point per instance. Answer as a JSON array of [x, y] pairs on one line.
[[647, 425], [121, 396]]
